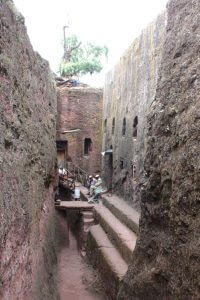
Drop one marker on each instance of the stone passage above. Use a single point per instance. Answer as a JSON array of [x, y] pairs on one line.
[[153, 162], [76, 281], [112, 241], [85, 211]]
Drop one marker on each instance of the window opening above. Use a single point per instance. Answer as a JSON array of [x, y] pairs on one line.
[[133, 168], [113, 125], [135, 124], [121, 164], [105, 125], [124, 127], [87, 146]]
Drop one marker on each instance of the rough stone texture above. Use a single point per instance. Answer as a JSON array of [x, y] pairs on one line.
[[105, 257], [27, 163], [129, 91], [81, 108], [166, 263], [124, 213]]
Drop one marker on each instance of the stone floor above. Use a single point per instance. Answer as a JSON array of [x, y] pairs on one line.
[[75, 277]]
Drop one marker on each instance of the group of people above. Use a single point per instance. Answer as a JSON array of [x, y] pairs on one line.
[[94, 184]]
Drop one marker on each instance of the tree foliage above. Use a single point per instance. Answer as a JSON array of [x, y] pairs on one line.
[[80, 59]]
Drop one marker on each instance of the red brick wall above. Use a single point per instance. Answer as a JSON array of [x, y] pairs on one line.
[[81, 108]]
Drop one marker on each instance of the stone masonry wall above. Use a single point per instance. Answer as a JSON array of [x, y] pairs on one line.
[[81, 108], [129, 91], [27, 164], [166, 262]]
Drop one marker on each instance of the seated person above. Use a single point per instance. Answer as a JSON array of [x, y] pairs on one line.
[[60, 170], [96, 189], [89, 181], [92, 186]]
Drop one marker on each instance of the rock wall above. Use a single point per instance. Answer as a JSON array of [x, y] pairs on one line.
[[129, 91], [166, 262], [27, 164], [81, 108]]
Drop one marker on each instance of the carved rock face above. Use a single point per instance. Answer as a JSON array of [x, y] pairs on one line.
[[166, 263], [129, 91], [27, 160]]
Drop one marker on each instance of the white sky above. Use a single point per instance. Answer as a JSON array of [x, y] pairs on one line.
[[114, 23]]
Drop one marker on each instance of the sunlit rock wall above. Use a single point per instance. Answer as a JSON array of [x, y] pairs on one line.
[[129, 91], [166, 262], [27, 163]]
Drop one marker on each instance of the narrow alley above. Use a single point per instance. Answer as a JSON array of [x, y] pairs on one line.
[[76, 279], [100, 185]]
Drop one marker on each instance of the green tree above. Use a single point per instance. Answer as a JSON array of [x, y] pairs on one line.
[[80, 59]]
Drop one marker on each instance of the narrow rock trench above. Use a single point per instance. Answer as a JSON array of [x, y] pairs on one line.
[[76, 279]]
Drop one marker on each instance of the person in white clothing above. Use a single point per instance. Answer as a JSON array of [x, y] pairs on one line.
[[92, 186], [96, 189]]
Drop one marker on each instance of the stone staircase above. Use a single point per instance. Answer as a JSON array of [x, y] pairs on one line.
[[112, 240]]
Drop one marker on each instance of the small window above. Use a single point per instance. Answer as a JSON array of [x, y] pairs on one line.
[[121, 164], [105, 125], [113, 125], [87, 146], [135, 124], [133, 168], [124, 127]]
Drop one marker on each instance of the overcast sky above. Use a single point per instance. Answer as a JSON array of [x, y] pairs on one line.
[[114, 23]]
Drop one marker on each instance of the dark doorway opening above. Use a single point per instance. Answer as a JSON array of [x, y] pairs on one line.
[[62, 151]]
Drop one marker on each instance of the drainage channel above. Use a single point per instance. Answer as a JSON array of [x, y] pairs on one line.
[[76, 279]]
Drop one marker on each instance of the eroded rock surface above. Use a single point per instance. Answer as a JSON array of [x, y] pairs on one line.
[[129, 91], [166, 263], [27, 162]]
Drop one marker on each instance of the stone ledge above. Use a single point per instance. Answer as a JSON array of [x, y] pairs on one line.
[[104, 255], [77, 205], [124, 212], [118, 233]]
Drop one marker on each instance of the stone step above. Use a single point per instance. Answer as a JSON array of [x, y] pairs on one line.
[[87, 224], [118, 233], [88, 221], [124, 212], [87, 214], [107, 259]]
